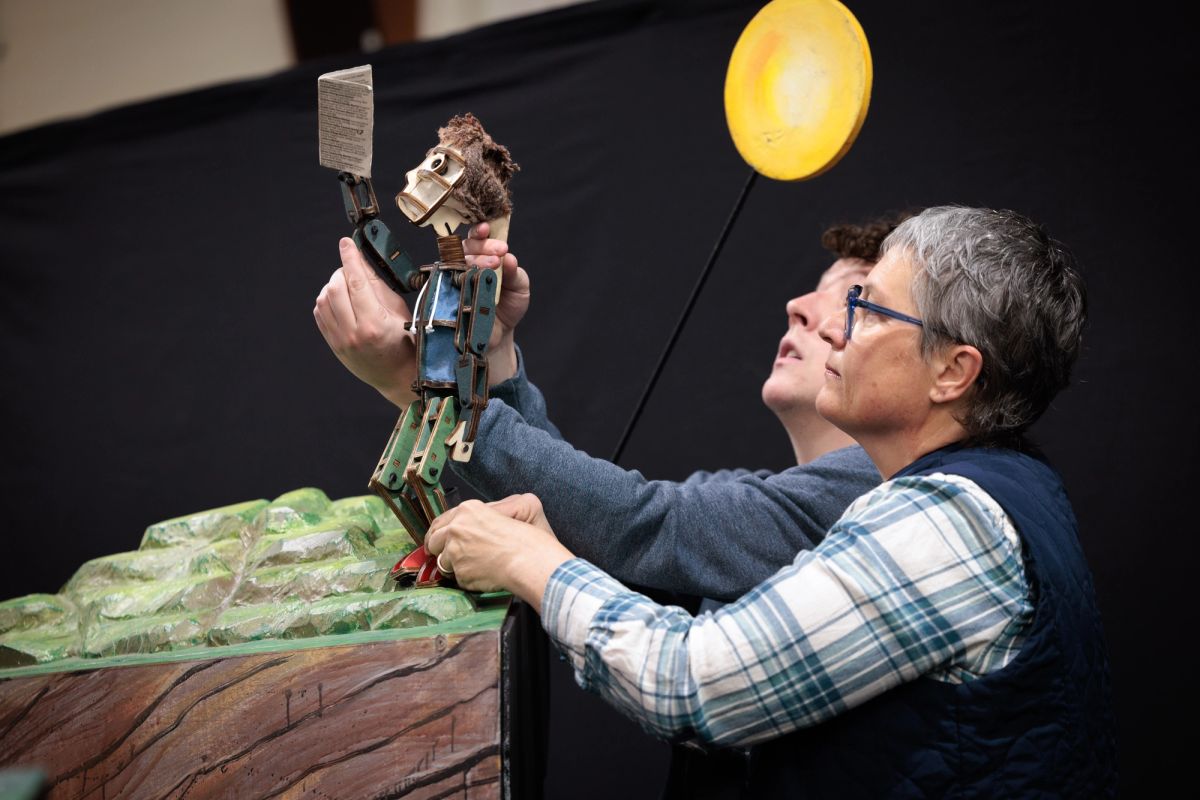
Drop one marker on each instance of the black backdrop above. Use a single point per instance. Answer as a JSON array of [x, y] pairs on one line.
[[159, 264]]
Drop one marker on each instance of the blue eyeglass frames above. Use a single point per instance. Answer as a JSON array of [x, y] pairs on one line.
[[853, 301]]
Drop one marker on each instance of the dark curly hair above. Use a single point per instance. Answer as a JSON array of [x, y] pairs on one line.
[[862, 240], [489, 167]]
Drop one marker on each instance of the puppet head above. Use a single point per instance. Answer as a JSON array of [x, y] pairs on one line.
[[463, 179]]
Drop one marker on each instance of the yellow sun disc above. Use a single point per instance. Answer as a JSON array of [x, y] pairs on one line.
[[797, 88]]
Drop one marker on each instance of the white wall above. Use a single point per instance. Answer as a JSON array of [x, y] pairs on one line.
[[64, 58], [442, 17]]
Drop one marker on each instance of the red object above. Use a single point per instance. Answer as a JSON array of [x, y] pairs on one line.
[[419, 567]]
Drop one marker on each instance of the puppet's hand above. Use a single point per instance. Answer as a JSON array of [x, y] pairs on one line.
[[503, 545], [363, 322], [513, 302]]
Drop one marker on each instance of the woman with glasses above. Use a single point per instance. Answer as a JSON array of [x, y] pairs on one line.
[[943, 638]]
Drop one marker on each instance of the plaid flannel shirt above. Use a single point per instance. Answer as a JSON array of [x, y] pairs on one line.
[[922, 576]]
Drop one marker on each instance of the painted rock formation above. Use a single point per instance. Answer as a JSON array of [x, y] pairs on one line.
[[295, 567]]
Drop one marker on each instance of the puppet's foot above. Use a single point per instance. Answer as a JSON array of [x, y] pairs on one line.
[[418, 568]]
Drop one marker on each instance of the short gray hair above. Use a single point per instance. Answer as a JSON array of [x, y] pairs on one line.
[[996, 281]]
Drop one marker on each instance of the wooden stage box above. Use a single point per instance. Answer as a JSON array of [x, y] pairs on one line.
[[455, 710]]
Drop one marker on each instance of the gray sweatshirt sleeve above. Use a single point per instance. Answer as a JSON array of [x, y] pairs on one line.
[[524, 398], [715, 535]]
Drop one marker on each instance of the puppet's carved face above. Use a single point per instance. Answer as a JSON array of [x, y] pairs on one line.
[[463, 180], [429, 185]]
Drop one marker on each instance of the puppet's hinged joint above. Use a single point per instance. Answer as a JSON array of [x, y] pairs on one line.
[[476, 319], [374, 238], [358, 196]]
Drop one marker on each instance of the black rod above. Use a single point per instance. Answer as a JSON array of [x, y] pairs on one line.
[[687, 310]]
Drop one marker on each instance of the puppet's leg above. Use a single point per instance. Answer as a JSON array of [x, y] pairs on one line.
[[422, 482], [389, 483]]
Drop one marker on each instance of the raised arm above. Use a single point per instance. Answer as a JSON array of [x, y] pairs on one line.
[[660, 534]]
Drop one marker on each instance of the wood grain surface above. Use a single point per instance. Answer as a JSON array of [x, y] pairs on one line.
[[413, 718]]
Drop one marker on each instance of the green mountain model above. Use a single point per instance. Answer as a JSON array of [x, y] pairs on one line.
[[296, 567]]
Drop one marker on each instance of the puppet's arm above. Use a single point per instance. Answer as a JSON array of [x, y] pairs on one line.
[[374, 238]]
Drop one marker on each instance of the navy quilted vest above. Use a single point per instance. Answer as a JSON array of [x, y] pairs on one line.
[[1040, 727]]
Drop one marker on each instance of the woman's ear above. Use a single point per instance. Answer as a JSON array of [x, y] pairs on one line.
[[955, 371]]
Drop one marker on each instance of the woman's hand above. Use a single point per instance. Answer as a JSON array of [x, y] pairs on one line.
[[363, 321], [507, 545], [510, 306]]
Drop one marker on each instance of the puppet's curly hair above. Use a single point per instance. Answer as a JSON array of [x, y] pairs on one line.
[[489, 167], [862, 240]]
